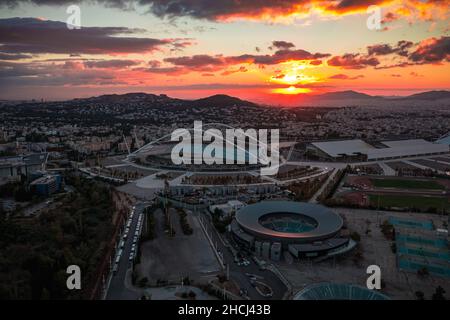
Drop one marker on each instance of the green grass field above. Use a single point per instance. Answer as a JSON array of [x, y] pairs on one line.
[[407, 184], [419, 202]]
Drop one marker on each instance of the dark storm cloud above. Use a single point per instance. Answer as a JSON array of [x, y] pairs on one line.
[[432, 50], [30, 35]]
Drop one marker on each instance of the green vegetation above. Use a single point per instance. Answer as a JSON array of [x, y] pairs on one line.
[[407, 184], [150, 223], [35, 253], [187, 229], [414, 203], [355, 236], [168, 227], [17, 190], [388, 230], [439, 294], [332, 186], [219, 222]]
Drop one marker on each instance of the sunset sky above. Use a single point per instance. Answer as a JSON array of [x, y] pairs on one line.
[[270, 51]]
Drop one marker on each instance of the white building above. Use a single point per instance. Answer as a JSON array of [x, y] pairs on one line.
[[360, 150], [227, 208]]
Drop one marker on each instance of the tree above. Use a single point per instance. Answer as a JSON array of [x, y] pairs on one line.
[[420, 295], [355, 236], [422, 272], [439, 294], [143, 282]]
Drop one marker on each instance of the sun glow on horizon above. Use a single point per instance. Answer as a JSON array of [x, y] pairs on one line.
[[294, 73], [291, 90]]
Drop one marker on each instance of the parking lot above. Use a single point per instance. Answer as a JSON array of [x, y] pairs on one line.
[[171, 258]]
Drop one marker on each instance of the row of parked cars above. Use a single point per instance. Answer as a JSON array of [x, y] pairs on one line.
[[125, 236]]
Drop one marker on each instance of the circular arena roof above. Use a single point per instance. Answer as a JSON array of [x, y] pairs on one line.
[[325, 223], [338, 291]]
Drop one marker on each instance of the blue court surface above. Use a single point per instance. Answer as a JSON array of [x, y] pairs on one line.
[[417, 250]]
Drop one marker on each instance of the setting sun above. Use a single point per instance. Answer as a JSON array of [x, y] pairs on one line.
[[294, 73], [291, 90]]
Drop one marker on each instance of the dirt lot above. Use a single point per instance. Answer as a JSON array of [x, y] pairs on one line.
[[170, 258], [375, 250]]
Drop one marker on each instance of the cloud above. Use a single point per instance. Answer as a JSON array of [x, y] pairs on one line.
[[270, 10], [353, 61], [415, 74], [30, 35], [196, 61], [212, 63], [14, 56], [111, 64], [427, 51], [389, 17], [282, 45], [401, 48], [278, 57], [341, 76], [228, 72], [432, 50], [168, 71], [224, 10], [44, 74]]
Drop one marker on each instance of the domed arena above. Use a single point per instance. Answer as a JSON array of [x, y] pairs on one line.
[[305, 230]]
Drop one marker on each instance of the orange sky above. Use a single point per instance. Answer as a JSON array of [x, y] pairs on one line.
[[267, 51]]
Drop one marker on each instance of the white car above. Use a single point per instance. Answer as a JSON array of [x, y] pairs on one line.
[[135, 239]]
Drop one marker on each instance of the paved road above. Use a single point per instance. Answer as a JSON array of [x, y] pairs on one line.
[[319, 192], [387, 170], [120, 287], [237, 273]]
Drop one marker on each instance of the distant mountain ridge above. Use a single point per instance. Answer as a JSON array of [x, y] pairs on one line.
[[349, 94], [337, 98], [430, 95], [218, 100]]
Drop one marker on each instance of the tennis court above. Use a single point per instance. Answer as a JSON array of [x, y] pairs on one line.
[[420, 247]]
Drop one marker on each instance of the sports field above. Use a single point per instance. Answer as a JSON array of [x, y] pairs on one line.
[[407, 184], [405, 201]]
